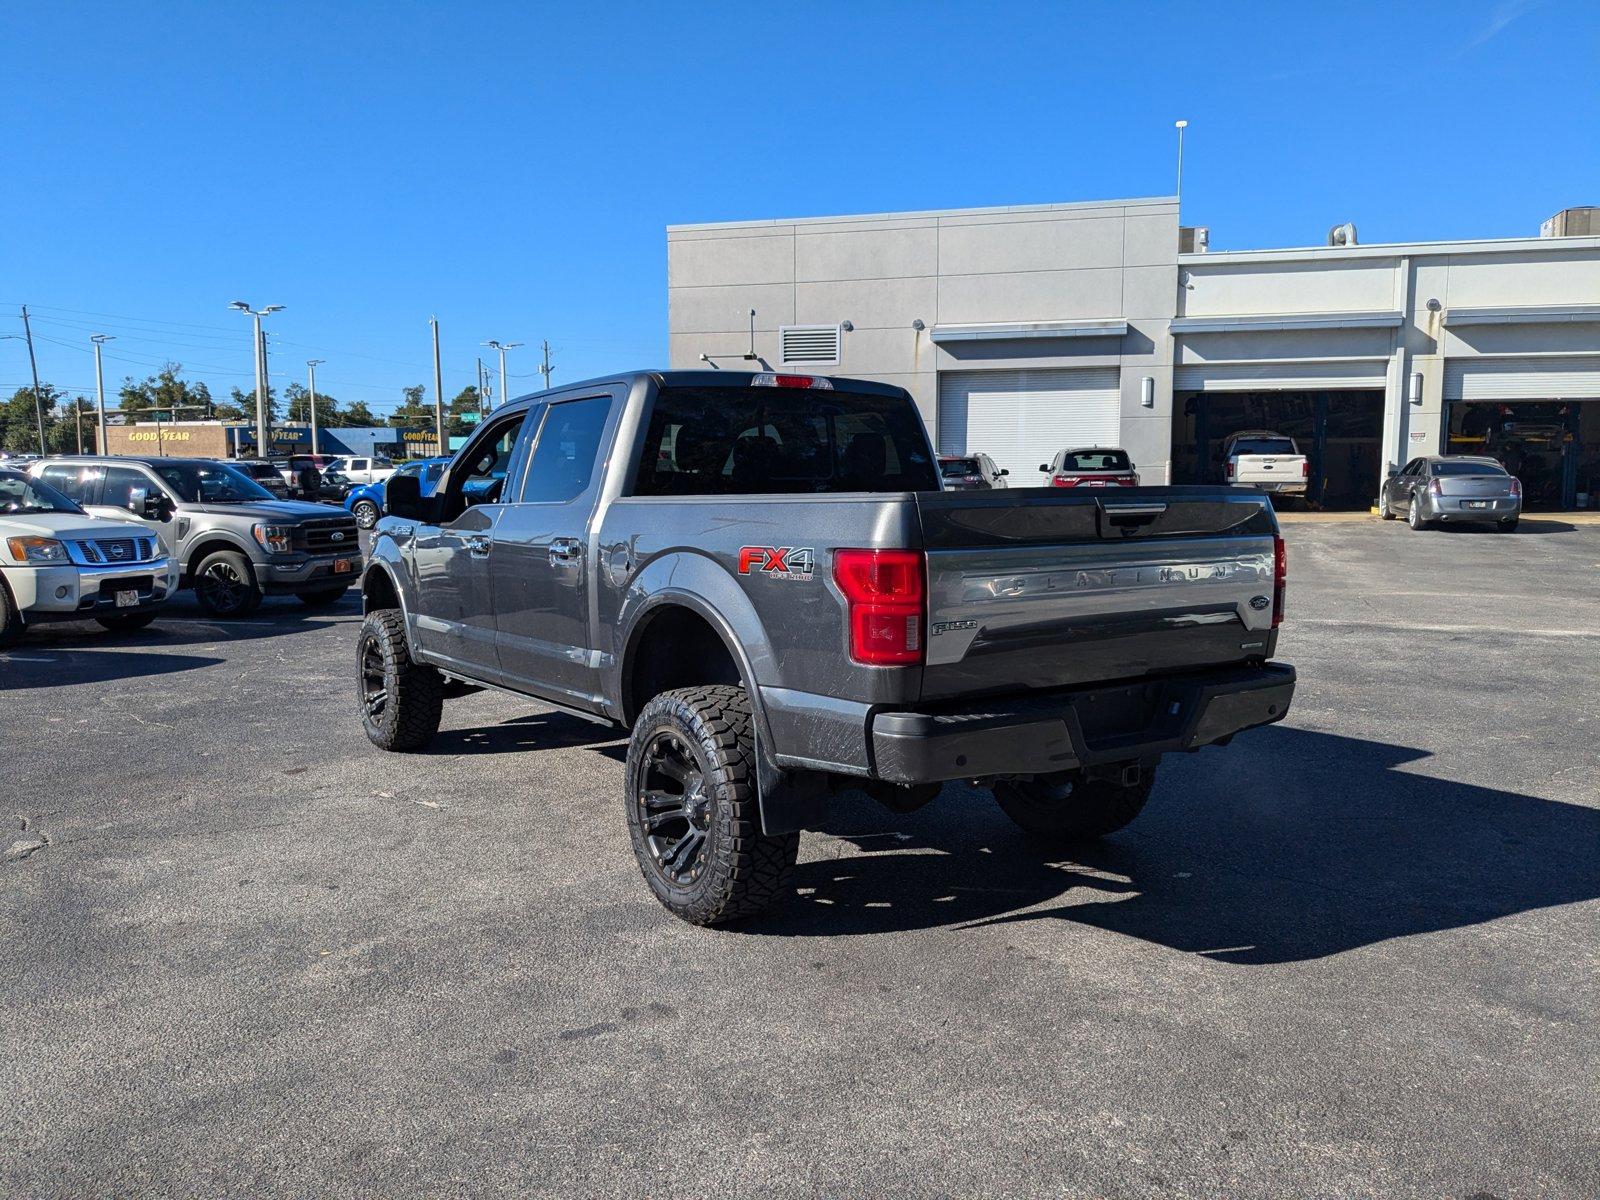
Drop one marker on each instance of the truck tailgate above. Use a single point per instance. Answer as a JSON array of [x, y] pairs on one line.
[[1047, 588], [1269, 468]]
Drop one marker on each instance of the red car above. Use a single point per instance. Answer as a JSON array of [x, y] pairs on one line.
[[1093, 466]]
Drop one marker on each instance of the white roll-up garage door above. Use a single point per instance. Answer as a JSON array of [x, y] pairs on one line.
[[1022, 418], [1553, 377], [1333, 375]]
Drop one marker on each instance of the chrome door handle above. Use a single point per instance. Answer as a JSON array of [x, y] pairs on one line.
[[478, 545], [565, 550]]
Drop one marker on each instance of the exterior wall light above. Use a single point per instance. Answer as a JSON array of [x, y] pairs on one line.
[[1147, 392]]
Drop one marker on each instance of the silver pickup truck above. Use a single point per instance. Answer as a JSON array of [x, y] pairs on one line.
[[760, 576]]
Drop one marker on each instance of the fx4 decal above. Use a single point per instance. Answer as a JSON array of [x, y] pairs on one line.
[[778, 562]]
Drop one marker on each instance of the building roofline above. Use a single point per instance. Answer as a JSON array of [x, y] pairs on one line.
[[1395, 250], [844, 218]]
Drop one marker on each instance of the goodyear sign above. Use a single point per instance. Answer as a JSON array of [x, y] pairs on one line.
[[167, 435]]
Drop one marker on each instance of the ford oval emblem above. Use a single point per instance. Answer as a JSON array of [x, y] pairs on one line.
[[1259, 603], [336, 536]]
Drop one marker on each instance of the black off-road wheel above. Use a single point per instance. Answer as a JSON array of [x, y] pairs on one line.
[[401, 700], [326, 598], [125, 622], [692, 809], [1073, 809], [225, 585]]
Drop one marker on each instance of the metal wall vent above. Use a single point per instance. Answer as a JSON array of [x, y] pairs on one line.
[[808, 345]]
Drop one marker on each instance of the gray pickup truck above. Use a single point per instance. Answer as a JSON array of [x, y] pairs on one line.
[[233, 540], [760, 576]]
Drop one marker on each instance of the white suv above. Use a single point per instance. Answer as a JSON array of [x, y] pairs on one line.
[[57, 563]]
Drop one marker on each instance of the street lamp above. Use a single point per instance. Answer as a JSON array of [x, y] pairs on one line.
[[502, 347], [100, 339], [261, 375]]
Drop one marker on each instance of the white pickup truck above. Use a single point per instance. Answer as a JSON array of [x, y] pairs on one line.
[[361, 469], [58, 563], [1269, 461]]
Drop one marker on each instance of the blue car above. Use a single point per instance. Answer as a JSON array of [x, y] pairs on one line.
[[365, 503]]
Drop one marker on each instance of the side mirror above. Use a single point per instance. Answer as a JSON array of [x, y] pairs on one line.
[[1045, 467], [402, 497], [1393, 471], [1005, 471], [158, 507]]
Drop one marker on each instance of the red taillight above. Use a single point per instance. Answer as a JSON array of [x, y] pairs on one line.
[[1280, 579], [1129, 481], [1230, 468], [1435, 488], [885, 593], [1516, 489], [1305, 469], [768, 379], [1064, 481]]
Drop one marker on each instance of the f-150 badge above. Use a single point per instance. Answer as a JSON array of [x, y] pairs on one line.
[[778, 562]]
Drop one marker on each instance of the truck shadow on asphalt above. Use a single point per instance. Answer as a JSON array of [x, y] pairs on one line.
[[1303, 845], [46, 666]]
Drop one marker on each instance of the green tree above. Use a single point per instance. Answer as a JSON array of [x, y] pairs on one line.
[[358, 415], [467, 402], [19, 425], [299, 400], [76, 417], [165, 391], [415, 410], [244, 404]]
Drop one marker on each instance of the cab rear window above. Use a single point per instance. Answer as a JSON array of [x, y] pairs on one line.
[[1096, 460], [722, 441]]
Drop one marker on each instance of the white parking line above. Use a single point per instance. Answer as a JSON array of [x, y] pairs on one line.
[[1418, 628]]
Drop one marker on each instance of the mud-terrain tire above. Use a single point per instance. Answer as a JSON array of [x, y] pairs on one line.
[[225, 585], [1073, 810], [125, 622], [692, 810], [401, 701]]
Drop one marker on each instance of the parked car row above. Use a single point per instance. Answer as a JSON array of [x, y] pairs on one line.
[[112, 538]]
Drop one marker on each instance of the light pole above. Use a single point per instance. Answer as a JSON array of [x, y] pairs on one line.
[[261, 380], [100, 339], [311, 367], [1180, 126], [502, 347]]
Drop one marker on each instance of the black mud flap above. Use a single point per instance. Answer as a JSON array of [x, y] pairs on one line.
[[790, 800]]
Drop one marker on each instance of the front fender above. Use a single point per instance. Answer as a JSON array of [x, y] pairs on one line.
[[387, 560]]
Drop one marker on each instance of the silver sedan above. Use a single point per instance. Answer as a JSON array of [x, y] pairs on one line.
[[1452, 490]]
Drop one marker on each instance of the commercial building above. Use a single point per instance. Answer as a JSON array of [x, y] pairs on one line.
[[235, 439], [1025, 330]]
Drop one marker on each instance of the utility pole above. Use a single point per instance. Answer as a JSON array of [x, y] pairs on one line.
[[502, 347], [311, 367], [438, 388], [483, 391], [100, 339], [33, 365], [261, 372], [545, 370]]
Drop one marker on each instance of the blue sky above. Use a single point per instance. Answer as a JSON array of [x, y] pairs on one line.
[[511, 167]]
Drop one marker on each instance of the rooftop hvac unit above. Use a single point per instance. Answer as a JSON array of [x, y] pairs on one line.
[[1342, 235], [1194, 239], [1573, 222]]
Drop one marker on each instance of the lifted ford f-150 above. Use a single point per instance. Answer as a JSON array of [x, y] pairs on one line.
[[761, 578]]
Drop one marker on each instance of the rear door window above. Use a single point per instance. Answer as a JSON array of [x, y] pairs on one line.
[[80, 484], [120, 485], [715, 441]]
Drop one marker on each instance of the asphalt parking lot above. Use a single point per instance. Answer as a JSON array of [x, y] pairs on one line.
[[1353, 954]]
